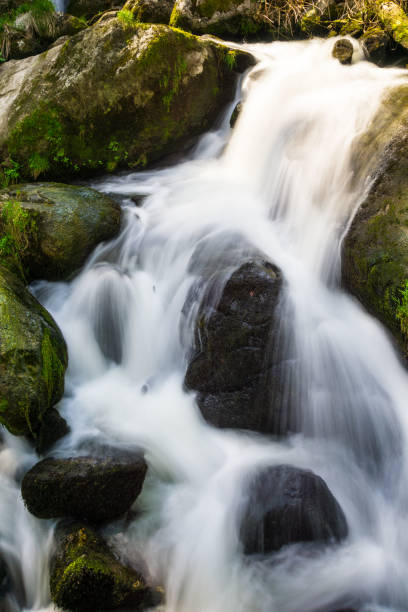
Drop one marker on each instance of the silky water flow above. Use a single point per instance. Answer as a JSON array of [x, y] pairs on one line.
[[282, 182]]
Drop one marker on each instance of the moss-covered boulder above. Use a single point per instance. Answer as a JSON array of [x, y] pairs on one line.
[[118, 94], [33, 359], [228, 18], [83, 487], [234, 368], [86, 576], [49, 229], [284, 505], [375, 250], [150, 11]]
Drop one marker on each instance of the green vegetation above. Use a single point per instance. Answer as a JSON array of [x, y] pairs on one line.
[[34, 17], [402, 309], [126, 17], [18, 231]]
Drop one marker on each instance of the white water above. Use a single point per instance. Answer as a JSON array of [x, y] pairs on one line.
[[284, 185]]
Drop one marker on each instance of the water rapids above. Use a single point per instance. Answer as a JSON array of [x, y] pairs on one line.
[[283, 182]]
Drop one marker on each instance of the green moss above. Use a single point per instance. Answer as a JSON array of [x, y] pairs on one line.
[[126, 17], [53, 368]]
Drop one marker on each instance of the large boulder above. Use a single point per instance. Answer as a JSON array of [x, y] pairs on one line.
[[33, 359], [52, 228], [234, 367], [83, 487], [284, 505], [233, 18], [150, 11], [85, 576], [375, 250], [119, 93]]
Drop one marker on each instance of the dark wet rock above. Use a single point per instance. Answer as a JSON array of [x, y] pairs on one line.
[[235, 365], [85, 575], [376, 44], [156, 88], [235, 114], [55, 226], [33, 359], [375, 250], [150, 11], [53, 428], [91, 8], [89, 488], [343, 51], [285, 505], [5, 582]]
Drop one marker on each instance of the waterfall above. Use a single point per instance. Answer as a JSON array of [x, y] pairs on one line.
[[283, 182]]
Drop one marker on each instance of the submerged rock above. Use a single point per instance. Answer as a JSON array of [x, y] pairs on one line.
[[83, 487], [343, 51], [33, 359], [235, 114], [285, 505], [85, 576], [150, 11], [54, 227], [234, 366], [118, 94], [375, 250]]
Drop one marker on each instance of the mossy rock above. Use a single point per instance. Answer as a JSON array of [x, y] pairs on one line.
[[375, 250], [87, 488], [118, 94], [343, 51], [33, 359], [234, 367], [54, 227], [85, 575], [150, 11], [224, 18]]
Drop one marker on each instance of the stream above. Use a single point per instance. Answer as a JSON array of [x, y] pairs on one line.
[[282, 181]]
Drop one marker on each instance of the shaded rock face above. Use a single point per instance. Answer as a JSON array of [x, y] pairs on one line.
[[117, 94], [55, 226], [85, 575], [33, 359], [234, 365], [90, 8], [4, 579], [236, 18], [375, 250], [343, 51], [150, 11], [84, 487], [285, 505]]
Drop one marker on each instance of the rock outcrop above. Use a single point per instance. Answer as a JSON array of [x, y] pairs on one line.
[[375, 250]]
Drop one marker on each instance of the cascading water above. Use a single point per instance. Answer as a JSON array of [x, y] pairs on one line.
[[284, 184]]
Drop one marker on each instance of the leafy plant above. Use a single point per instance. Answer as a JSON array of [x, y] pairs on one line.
[[126, 17]]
